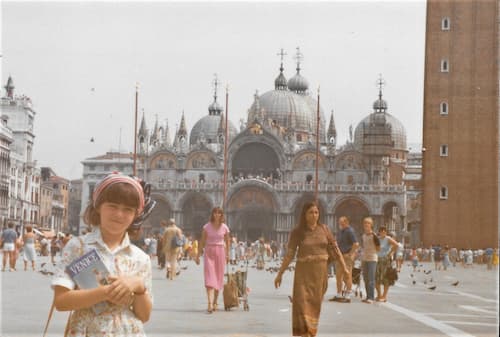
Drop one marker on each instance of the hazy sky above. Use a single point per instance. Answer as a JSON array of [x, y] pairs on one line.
[[57, 52]]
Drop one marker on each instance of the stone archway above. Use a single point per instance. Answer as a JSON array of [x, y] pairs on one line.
[[355, 210], [162, 211], [252, 213], [195, 213], [299, 203], [255, 159]]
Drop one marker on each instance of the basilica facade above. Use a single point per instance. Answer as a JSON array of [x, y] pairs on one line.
[[271, 161]]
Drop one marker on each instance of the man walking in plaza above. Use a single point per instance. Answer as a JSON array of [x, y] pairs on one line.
[[171, 248], [9, 238], [348, 244]]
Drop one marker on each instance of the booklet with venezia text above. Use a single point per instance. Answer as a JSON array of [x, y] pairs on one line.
[[88, 271]]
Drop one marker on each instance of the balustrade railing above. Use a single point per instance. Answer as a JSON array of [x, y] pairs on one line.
[[278, 186]]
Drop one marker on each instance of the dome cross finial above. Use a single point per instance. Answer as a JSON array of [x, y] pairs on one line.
[[380, 84], [298, 58], [215, 84], [282, 54]]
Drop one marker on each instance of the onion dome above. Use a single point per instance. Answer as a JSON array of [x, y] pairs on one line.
[[207, 128], [298, 83], [398, 132]]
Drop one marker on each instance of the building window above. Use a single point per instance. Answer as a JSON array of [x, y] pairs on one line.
[[445, 23], [443, 194], [444, 108], [444, 150], [91, 167], [445, 66]]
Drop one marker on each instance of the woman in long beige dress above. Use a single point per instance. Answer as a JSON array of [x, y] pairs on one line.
[[309, 239]]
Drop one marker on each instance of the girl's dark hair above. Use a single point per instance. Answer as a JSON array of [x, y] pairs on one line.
[[119, 193], [214, 210], [302, 225], [29, 229]]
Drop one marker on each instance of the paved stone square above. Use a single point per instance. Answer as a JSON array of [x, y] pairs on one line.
[[469, 309]]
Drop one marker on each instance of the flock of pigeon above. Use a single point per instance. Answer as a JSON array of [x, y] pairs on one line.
[[428, 280]]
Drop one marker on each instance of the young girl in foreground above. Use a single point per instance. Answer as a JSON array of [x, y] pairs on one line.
[[116, 202]]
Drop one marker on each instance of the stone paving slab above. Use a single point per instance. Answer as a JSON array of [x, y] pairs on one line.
[[469, 309]]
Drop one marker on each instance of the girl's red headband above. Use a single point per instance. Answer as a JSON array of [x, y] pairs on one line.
[[117, 177]]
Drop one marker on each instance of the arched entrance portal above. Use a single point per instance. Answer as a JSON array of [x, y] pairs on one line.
[[355, 210], [255, 159], [251, 212], [301, 202], [162, 211], [196, 212]]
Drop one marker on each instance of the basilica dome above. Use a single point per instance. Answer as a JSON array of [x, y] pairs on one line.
[[207, 129], [398, 132], [287, 109]]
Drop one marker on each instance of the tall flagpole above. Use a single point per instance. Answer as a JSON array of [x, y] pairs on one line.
[[226, 134], [317, 151], [135, 128]]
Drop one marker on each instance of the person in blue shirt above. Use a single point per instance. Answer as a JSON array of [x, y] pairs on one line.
[[348, 245], [9, 238], [388, 246]]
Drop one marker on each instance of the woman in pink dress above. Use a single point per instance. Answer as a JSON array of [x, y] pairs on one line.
[[215, 247]]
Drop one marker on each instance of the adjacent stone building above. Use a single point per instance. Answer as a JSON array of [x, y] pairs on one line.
[[75, 205], [24, 177], [5, 141]]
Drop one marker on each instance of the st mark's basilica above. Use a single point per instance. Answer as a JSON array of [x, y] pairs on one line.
[[271, 166]]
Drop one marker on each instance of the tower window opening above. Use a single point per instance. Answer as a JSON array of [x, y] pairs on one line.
[[445, 67], [445, 23], [443, 193], [444, 108], [444, 150]]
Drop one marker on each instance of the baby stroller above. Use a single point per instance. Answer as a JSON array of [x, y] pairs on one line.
[[235, 290], [356, 280]]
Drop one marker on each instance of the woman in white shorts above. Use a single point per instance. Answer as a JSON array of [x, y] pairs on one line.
[[29, 248], [9, 237]]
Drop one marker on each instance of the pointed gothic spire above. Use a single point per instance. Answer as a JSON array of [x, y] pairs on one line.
[[254, 112], [166, 135], [332, 131], [182, 128], [9, 87], [176, 138], [155, 129], [143, 131], [155, 134]]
